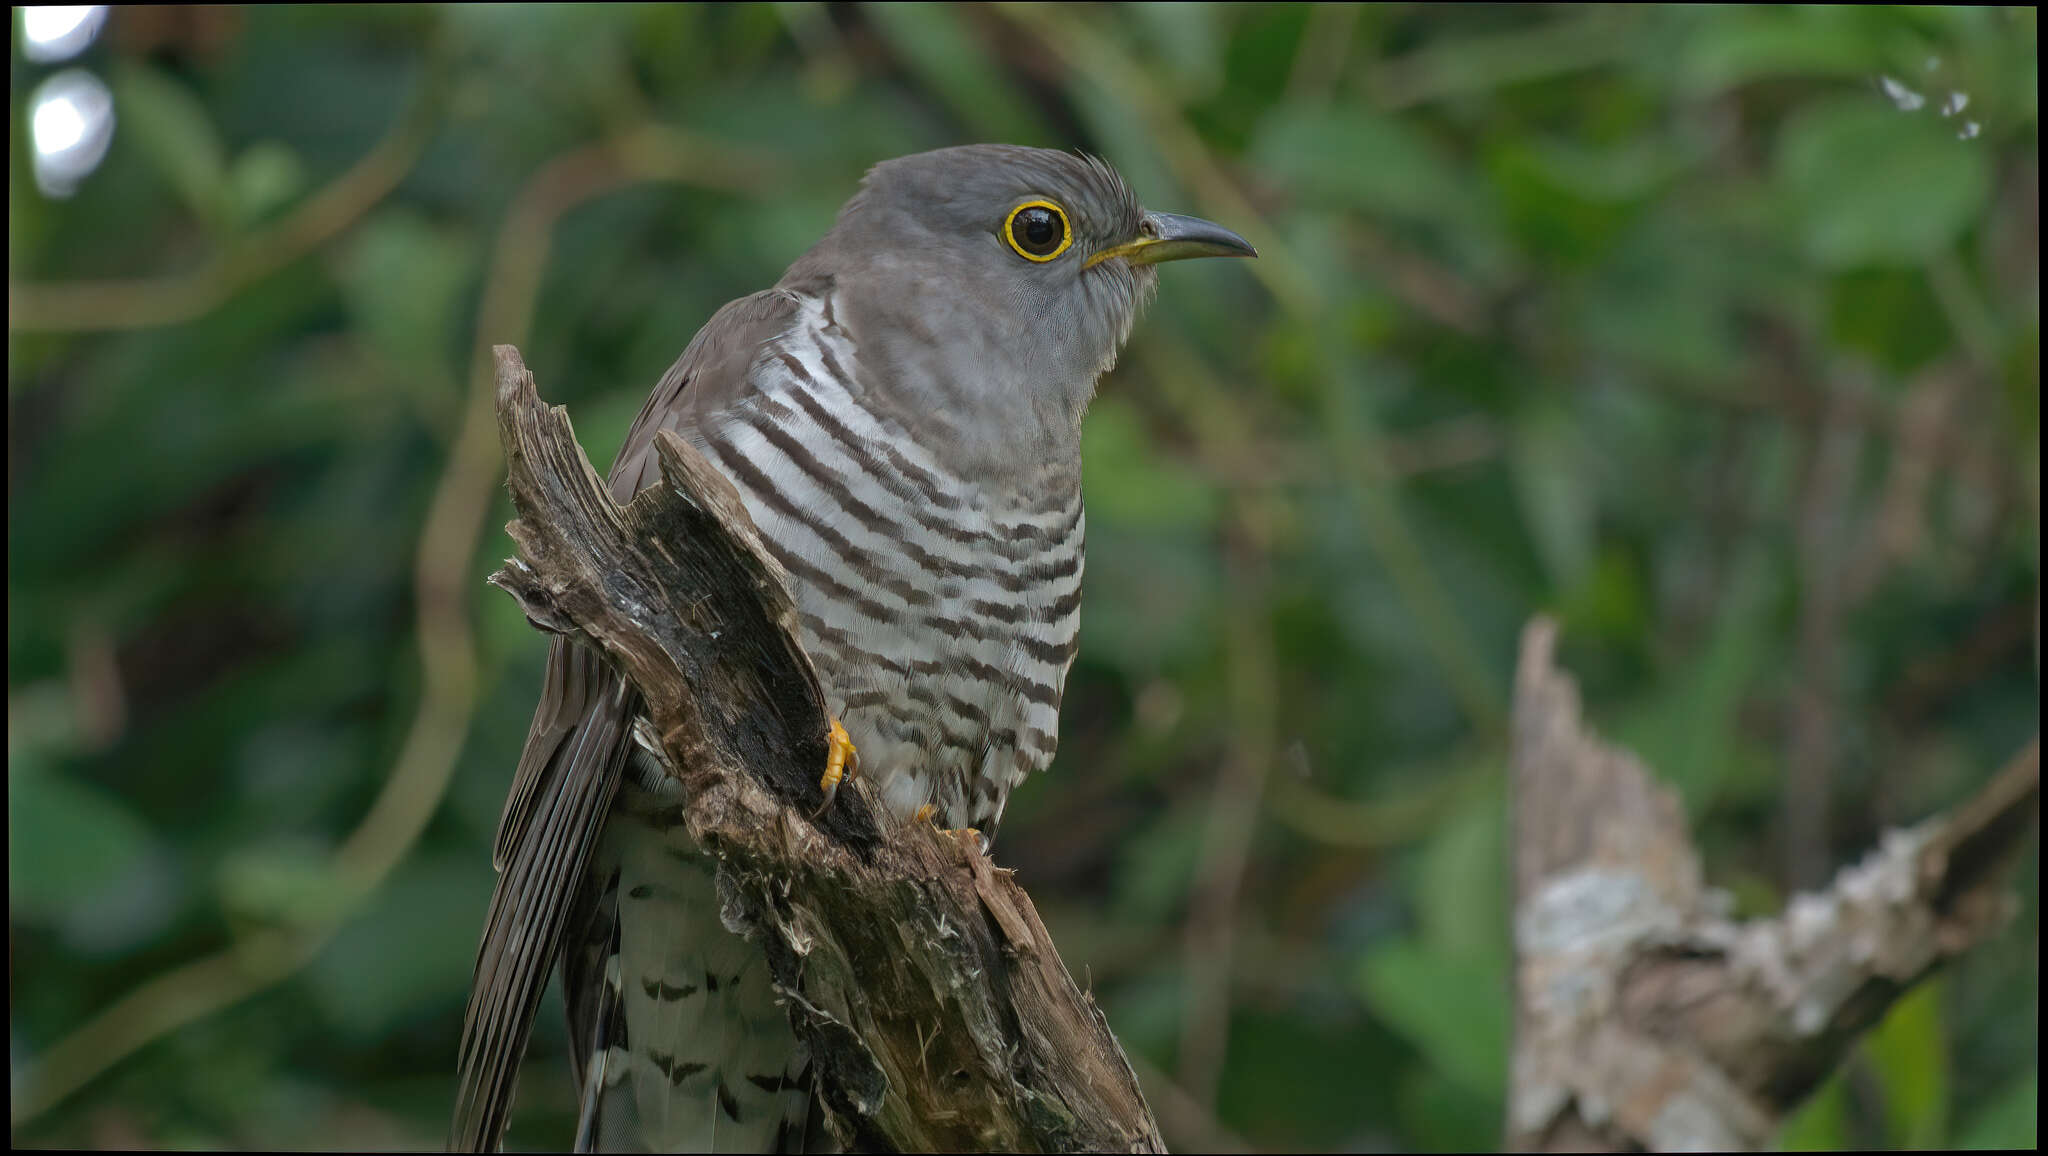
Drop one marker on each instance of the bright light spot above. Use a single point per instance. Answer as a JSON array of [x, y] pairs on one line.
[[1905, 98], [59, 32], [1968, 130], [71, 122], [1956, 102], [59, 125]]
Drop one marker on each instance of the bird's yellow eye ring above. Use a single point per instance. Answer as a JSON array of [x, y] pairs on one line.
[[1038, 230]]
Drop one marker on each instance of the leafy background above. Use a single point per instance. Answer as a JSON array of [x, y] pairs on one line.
[[1671, 322]]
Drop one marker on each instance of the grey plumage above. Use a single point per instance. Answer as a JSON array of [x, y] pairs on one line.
[[901, 414]]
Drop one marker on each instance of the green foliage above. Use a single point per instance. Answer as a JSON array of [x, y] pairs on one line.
[[1866, 189], [1910, 1056], [1822, 1123], [1686, 324], [1359, 160], [172, 128], [2011, 1120], [1905, 1064], [1687, 729], [70, 842]]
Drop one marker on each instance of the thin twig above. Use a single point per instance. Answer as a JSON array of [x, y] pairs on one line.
[[1358, 825], [1821, 532], [1233, 817]]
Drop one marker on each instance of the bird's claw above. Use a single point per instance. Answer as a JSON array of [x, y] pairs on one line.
[[929, 812], [842, 763]]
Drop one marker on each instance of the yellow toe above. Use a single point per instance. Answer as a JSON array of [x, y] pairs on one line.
[[842, 763]]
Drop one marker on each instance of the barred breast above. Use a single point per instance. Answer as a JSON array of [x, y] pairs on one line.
[[942, 610]]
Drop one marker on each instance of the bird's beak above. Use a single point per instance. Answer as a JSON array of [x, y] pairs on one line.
[[1172, 237]]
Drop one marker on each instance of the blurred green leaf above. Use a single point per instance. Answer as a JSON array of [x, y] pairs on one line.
[[405, 279], [1276, 1080], [1736, 44], [1556, 489], [1446, 1115], [1910, 1055], [1461, 881], [1868, 184], [1187, 41], [1890, 314], [412, 950], [1612, 175], [2012, 1120], [1821, 1124], [265, 177], [67, 840], [1557, 212], [1686, 729], [280, 883], [1131, 481], [1452, 1007], [939, 46], [1166, 588], [1157, 864], [1359, 160], [173, 129], [1608, 602]]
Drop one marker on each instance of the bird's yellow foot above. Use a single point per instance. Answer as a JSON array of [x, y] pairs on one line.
[[929, 812], [842, 762]]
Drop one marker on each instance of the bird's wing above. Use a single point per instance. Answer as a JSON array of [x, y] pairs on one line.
[[575, 751]]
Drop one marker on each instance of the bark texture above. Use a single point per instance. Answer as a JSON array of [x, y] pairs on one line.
[[1647, 1019], [937, 1010]]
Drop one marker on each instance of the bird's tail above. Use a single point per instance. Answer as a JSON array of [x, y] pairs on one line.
[[688, 1049]]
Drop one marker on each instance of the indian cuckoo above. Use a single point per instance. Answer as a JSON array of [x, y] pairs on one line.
[[901, 415]]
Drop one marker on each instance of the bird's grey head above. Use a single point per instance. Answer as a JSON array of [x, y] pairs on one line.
[[987, 287]]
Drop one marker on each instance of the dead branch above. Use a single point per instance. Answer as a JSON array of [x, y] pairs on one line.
[[938, 1014], [1645, 1018]]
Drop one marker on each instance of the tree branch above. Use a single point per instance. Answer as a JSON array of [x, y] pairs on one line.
[[1647, 1019], [938, 1014]]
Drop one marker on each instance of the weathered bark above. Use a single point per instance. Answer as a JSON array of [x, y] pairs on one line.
[[937, 1011], [1645, 1018]]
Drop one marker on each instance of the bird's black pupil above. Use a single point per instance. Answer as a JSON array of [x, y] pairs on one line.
[[1037, 230]]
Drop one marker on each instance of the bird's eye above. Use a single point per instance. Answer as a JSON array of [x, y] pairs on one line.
[[1038, 230]]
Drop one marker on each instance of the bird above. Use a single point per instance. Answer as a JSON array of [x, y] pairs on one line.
[[901, 415]]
